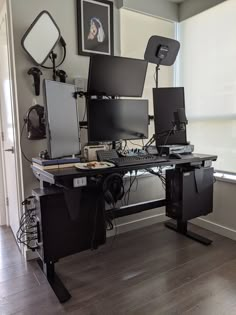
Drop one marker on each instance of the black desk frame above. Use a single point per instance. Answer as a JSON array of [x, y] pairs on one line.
[[61, 177]]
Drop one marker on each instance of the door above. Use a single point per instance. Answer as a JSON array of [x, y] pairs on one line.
[[8, 129]]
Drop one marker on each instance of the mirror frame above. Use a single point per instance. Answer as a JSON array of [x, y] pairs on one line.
[[29, 30]]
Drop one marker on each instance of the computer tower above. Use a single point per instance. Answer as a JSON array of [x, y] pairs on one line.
[[189, 194]]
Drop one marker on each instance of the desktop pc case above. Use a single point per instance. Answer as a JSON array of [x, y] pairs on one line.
[[189, 194]]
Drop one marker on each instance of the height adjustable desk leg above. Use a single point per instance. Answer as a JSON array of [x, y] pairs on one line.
[[182, 228], [56, 284]]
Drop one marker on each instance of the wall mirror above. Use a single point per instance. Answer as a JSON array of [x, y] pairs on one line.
[[41, 38]]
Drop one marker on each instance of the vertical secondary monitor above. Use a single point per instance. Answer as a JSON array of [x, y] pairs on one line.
[[113, 120], [62, 119], [166, 102], [116, 76]]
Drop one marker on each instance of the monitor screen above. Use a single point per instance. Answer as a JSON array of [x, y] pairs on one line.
[[166, 102], [62, 119], [116, 76], [113, 120]]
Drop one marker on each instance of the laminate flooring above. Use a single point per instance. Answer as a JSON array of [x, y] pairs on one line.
[[143, 272]]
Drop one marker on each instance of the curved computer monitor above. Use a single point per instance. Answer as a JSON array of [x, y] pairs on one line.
[[116, 76]]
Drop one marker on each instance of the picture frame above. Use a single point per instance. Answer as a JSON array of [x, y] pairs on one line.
[[95, 27]]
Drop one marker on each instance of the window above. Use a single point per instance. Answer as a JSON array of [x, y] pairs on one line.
[[207, 70]]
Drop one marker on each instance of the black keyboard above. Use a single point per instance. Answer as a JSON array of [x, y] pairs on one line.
[[137, 160]]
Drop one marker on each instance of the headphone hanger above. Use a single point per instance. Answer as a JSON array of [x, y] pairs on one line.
[[113, 188]]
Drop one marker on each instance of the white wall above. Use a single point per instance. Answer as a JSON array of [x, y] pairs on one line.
[[223, 218], [65, 14]]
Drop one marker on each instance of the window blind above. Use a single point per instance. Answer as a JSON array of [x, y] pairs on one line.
[[207, 70]]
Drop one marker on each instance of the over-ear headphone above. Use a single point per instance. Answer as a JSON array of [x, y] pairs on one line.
[[36, 128], [113, 188]]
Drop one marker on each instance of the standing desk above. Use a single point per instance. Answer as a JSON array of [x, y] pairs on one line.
[[71, 220]]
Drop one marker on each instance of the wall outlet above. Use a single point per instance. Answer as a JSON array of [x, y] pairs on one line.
[[80, 83], [80, 182]]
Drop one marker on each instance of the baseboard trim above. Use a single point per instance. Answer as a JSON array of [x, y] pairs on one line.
[[30, 255], [147, 221], [216, 228], [137, 224]]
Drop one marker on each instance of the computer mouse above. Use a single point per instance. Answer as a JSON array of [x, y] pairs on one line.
[[175, 156]]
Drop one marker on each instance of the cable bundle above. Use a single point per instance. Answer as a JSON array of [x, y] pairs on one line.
[[160, 175], [27, 233]]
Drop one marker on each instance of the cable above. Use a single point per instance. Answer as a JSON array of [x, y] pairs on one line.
[[22, 152], [138, 145], [95, 226], [114, 225], [135, 179], [63, 59], [166, 140], [27, 229], [85, 111], [160, 175], [125, 145]]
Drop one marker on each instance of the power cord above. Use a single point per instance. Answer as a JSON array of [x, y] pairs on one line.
[[166, 140], [22, 152], [63, 43], [160, 175], [27, 232]]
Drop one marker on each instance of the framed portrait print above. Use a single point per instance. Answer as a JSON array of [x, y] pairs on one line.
[[95, 27]]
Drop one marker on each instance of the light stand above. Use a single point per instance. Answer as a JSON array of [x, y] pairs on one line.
[[53, 58], [161, 51], [157, 75]]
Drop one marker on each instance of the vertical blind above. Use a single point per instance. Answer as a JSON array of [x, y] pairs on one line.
[[207, 70]]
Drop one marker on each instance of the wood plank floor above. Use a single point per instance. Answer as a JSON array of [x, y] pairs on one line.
[[144, 272]]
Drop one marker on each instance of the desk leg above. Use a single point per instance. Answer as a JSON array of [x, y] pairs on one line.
[[182, 228], [56, 284]]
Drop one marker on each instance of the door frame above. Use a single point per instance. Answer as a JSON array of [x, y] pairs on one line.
[[6, 12]]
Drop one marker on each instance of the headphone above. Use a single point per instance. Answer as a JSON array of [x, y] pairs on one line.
[[37, 132], [113, 188]]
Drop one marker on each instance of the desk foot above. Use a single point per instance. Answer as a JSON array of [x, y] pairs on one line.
[[56, 284], [181, 227]]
